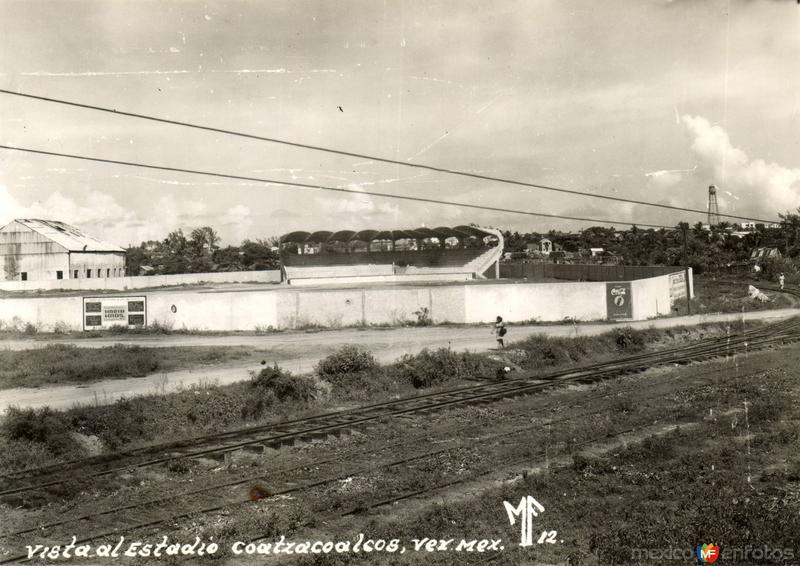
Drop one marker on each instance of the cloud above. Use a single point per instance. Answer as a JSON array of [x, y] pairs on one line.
[[98, 209], [762, 188], [664, 179], [237, 221], [363, 205], [102, 216]]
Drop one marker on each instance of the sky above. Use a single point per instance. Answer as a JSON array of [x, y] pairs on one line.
[[651, 100]]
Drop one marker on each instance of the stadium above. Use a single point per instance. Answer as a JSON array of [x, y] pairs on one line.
[[423, 254], [347, 278]]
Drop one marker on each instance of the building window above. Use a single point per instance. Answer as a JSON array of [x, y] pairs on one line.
[[88, 274], [108, 273], [24, 275], [59, 275], [98, 273], [75, 274]]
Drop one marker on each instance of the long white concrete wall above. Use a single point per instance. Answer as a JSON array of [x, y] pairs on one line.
[[535, 302], [150, 281], [651, 297], [285, 307], [245, 310]]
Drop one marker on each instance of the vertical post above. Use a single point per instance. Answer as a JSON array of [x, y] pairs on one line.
[[685, 227], [280, 258]]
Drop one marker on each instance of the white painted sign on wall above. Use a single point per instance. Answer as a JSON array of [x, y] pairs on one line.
[[105, 312], [677, 286]]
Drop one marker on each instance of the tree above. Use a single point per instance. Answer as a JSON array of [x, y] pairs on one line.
[[259, 255], [11, 267], [172, 255], [202, 244], [135, 258], [229, 258]]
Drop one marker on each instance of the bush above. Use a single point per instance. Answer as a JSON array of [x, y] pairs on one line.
[[283, 385], [346, 360], [627, 338], [423, 317], [431, 368], [40, 426], [61, 327]]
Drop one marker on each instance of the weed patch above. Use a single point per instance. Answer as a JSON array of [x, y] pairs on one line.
[[429, 368], [283, 385], [66, 363]]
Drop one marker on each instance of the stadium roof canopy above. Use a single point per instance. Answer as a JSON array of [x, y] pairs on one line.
[[442, 232]]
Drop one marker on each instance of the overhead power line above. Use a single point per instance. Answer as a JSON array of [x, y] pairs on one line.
[[371, 157], [326, 188]]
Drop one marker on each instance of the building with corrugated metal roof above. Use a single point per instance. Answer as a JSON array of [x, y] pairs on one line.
[[33, 249]]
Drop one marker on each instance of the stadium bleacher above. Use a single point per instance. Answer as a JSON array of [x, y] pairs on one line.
[[460, 253]]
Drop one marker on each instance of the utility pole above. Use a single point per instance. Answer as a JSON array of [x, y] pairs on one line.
[[685, 228]]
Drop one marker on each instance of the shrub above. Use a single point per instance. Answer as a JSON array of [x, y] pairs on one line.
[[283, 385], [255, 406], [626, 339], [61, 327], [423, 317], [429, 368], [346, 360], [41, 426], [31, 329]]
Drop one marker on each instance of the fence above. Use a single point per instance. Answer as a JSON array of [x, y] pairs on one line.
[[144, 282], [583, 272]]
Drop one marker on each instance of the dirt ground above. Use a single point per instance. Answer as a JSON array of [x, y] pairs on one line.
[[625, 470], [298, 352]]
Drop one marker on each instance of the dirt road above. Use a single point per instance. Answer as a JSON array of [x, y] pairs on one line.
[[300, 351]]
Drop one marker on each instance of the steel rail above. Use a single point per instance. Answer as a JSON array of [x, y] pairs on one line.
[[436, 401]]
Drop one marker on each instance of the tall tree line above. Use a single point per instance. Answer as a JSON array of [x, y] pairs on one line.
[[200, 252]]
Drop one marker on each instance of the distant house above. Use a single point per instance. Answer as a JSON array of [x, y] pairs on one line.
[[33, 249], [595, 252], [542, 248], [761, 254]]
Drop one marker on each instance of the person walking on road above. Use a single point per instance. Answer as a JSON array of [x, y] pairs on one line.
[[781, 280], [500, 331]]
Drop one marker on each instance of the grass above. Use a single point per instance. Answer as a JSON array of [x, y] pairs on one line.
[[631, 505], [348, 376], [724, 295], [543, 352], [62, 364]]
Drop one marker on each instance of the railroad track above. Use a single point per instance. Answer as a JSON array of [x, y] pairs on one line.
[[274, 475], [142, 515], [260, 438]]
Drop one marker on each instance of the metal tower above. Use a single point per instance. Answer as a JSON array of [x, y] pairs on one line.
[[713, 207]]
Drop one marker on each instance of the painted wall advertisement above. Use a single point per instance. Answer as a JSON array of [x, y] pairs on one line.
[[105, 312], [677, 286], [619, 301]]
